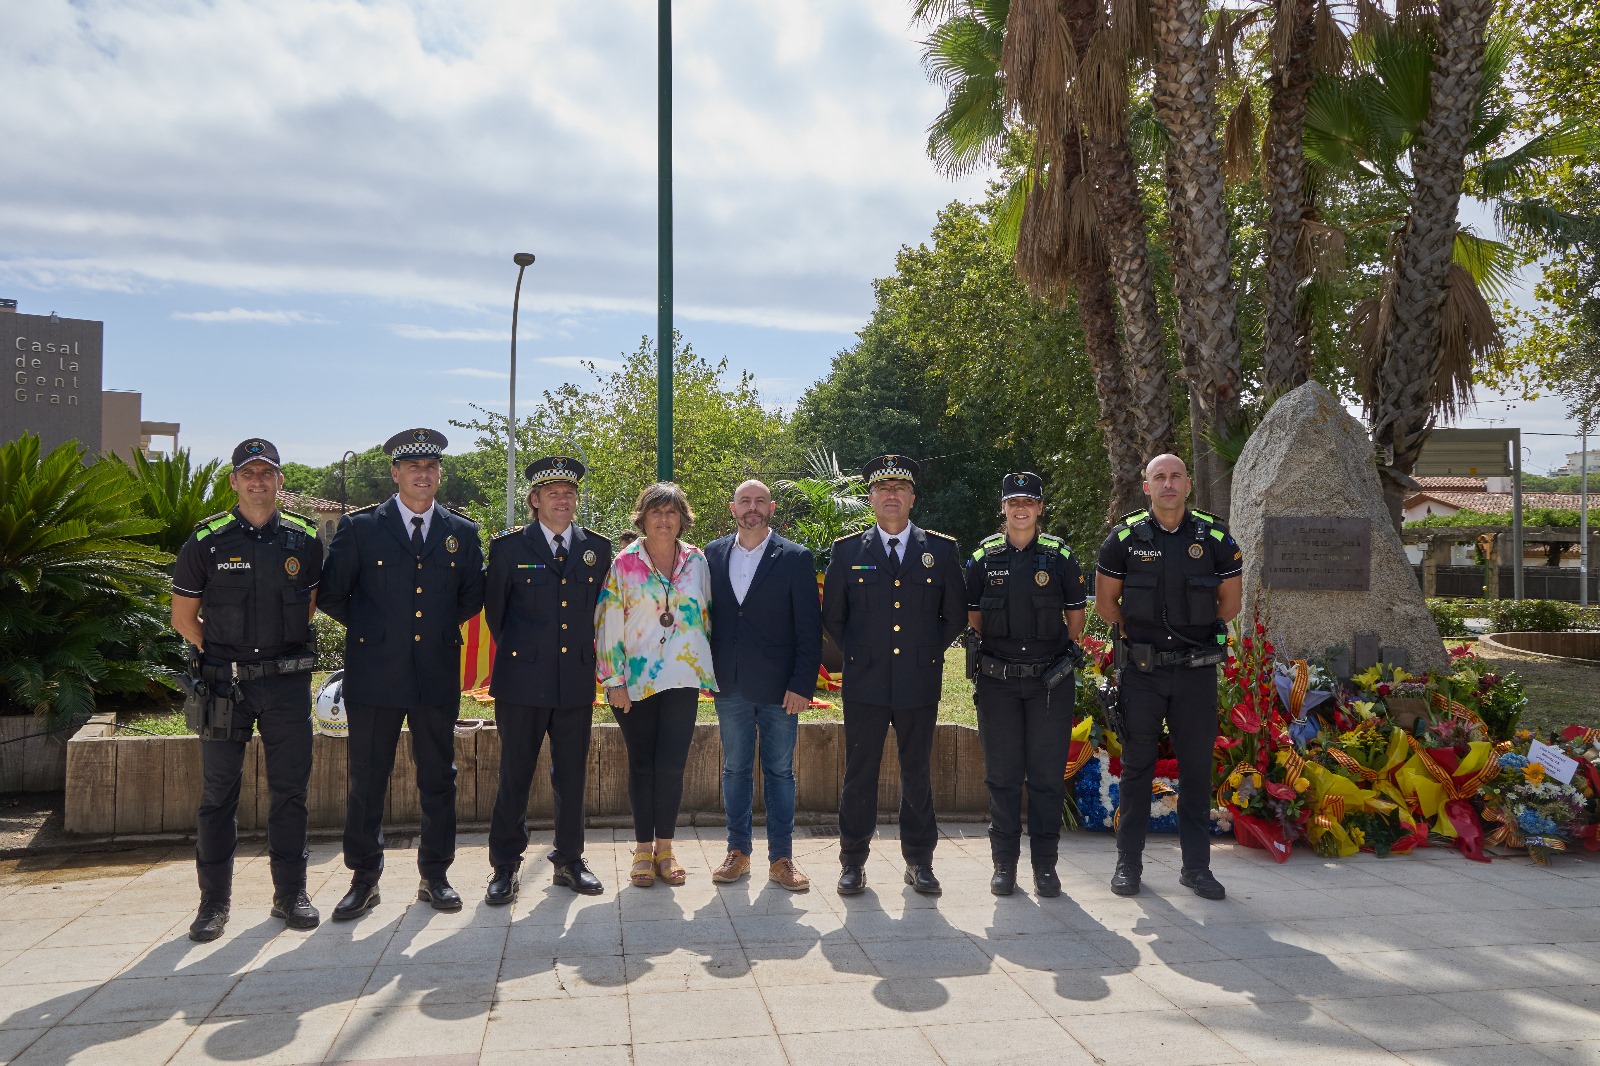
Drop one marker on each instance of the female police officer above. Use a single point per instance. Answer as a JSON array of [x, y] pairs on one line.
[[1025, 599]]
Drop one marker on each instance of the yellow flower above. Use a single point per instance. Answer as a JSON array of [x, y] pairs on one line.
[[1301, 784], [1236, 799], [1534, 772], [1236, 777], [1357, 837], [1400, 675], [1368, 677], [1363, 708], [1255, 779]]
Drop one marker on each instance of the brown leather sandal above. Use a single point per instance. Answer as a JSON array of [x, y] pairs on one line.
[[643, 872], [668, 870]]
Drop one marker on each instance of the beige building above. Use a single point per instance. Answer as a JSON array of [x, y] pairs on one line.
[[124, 431]]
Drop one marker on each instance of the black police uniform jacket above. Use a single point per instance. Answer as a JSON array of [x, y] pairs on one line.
[[541, 615], [402, 614], [892, 630]]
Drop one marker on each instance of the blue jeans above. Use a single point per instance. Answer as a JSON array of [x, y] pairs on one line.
[[739, 720]]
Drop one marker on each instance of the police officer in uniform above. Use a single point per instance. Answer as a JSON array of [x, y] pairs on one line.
[[1167, 583], [243, 592], [402, 575], [543, 581], [893, 601], [1025, 599]]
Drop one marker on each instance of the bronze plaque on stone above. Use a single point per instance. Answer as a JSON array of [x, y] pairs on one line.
[[1315, 553]]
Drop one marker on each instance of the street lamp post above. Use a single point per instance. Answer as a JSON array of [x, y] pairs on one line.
[[344, 482], [665, 341], [523, 260]]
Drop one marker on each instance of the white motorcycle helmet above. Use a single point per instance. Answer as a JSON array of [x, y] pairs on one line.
[[328, 716]]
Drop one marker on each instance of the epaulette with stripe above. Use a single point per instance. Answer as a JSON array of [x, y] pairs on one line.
[[941, 536], [1055, 543], [988, 544], [299, 521], [463, 516], [364, 510], [848, 536], [505, 533], [213, 524]]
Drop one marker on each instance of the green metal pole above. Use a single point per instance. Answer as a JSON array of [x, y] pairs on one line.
[[664, 337]]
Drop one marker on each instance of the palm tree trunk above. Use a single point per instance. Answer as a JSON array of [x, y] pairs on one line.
[[1286, 344], [1097, 315], [1185, 101], [1411, 344], [1201, 467]]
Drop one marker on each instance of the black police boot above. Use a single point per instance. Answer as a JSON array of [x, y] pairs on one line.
[[577, 876], [1205, 886], [295, 908], [502, 886], [1125, 882], [921, 879], [437, 891], [852, 881], [362, 897], [209, 923], [1046, 882], [1004, 881]]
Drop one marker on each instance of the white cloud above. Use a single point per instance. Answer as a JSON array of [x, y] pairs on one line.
[[578, 362], [241, 314], [429, 333], [401, 150], [475, 372]]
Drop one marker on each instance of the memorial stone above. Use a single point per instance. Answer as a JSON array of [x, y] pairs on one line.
[[1308, 514]]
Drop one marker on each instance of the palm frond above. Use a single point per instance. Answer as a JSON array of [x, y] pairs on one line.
[[1491, 264], [1533, 220]]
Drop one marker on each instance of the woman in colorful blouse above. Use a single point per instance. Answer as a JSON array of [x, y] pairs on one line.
[[653, 657]]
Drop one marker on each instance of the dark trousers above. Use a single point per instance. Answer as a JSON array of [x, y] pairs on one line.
[[1025, 730], [280, 707], [522, 732], [374, 736], [1186, 698], [658, 731], [866, 725]]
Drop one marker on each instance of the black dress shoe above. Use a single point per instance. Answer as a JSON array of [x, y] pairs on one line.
[[502, 886], [1004, 881], [1125, 882], [362, 897], [852, 881], [437, 891], [1046, 882], [577, 876], [209, 923], [296, 910], [922, 880], [1205, 886]]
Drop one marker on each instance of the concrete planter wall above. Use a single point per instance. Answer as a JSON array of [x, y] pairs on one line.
[[141, 784], [34, 764]]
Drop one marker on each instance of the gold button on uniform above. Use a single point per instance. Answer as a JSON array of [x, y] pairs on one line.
[[419, 614], [563, 603], [563, 625], [897, 629], [563, 651], [513, 655], [896, 582], [897, 651], [419, 589], [418, 637], [897, 604]]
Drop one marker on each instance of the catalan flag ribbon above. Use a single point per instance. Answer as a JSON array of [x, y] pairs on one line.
[[477, 653]]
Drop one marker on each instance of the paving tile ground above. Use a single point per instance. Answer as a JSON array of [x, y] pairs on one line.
[[1424, 960]]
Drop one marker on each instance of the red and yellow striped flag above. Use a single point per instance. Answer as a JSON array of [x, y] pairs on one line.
[[477, 654]]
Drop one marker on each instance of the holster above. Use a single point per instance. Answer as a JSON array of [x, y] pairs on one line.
[[1071, 659], [969, 643], [211, 705], [1111, 702]]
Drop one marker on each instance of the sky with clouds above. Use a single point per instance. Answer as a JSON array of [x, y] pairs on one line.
[[296, 218]]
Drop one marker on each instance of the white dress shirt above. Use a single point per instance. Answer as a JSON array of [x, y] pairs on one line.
[[407, 514], [742, 565], [550, 538], [899, 550]]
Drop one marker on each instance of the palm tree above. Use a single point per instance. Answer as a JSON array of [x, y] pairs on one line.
[[79, 595], [179, 495], [1417, 118], [1050, 217], [827, 504]]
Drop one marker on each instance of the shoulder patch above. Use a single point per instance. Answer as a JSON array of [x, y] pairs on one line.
[[215, 524], [206, 521], [299, 521], [1134, 516], [994, 540], [1049, 541]]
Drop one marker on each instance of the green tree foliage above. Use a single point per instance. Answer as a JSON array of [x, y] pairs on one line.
[[178, 495], [466, 479], [961, 369], [1554, 517], [722, 434], [80, 595], [823, 506]]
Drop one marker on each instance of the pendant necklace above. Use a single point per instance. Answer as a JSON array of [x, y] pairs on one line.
[[665, 617]]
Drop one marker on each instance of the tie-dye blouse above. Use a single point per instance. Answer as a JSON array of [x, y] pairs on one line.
[[630, 641]]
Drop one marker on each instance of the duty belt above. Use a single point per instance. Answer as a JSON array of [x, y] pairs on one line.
[[1142, 654], [294, 664], [1000, 668]]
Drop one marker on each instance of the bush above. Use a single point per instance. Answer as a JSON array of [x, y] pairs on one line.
[[330, 642], [80, 598], [1451, 616], [1533, 616]]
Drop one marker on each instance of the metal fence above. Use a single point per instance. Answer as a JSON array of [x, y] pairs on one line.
[[1538, 582]]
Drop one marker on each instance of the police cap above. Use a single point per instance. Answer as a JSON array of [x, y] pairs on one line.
[[554, 468], [891, 468], [1022, 483], [255, 448], [415, 444]]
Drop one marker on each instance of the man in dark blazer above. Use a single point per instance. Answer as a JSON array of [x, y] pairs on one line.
[[543, 581], [402, 576], [766, 645], [893, 601]]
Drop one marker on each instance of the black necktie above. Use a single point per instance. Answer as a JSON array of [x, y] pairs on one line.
[[416, 534], [561, 551], [894, 556]]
